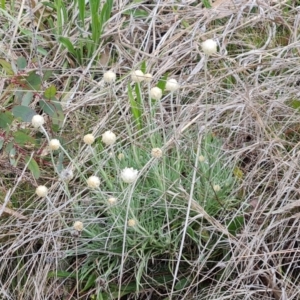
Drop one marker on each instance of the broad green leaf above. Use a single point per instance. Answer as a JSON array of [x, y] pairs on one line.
[[206, 3], [33, 167], [27, 98], [47, 74], [21, 63], [22, 138], [7, 67], [58, 118], [34, 81], [23, 112], [90, 282], [47, 107], [6, 118], [50, 92]]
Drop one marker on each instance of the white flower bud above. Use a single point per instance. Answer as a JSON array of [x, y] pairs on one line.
[[216, 188], [93, 182], [108, 138], [78, 226], [137, 76], [109, 77], [89, 139], [41, 191], [156, 93], [131, 222], [148, 77], [54, 144], [129, 175], [209, 47], [201, 158], [121, 156], [172, 85], [156, 152], [112, 200], [37, 121]]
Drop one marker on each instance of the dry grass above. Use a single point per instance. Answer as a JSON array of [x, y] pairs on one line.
[[245, 101]]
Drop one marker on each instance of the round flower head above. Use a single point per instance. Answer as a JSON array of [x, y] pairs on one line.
[[108, 138], [37, 121], [201, 158], [209, 47], [148, 77], [156, 152], [129, 175], [137, 76], [109, 77], [93, 182], [131, 222], [121, 156], [89, 139], [156, 93], [112, 200], [54, 144], [216, 188], [41, 191], [78, 226], [172, 85]]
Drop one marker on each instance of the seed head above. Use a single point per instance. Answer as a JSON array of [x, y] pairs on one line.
[[54, 144], [137, 76], [216, 188], [156, 93], [108, 138], [172, 85], [93, 182], [41, 191], [37, 121], [148, 77], [112, 200], [109, 77], [201, 158], [209, 47], [78, 226], [156, 152], [131, 222], [89, 139]]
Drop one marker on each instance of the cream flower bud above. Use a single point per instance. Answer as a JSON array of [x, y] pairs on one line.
[[78, 226], [156, 152], [109, 77], [93, 182], [137, 76], [89, 139], [209, 47], [108, 138], [37, 121], [41, 191], [129, 175], [112, 200], [172, 85], [216, 188], [148, 77], [131, 222], [156, 93], [121, 156], [54, 144], [201, 158]]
